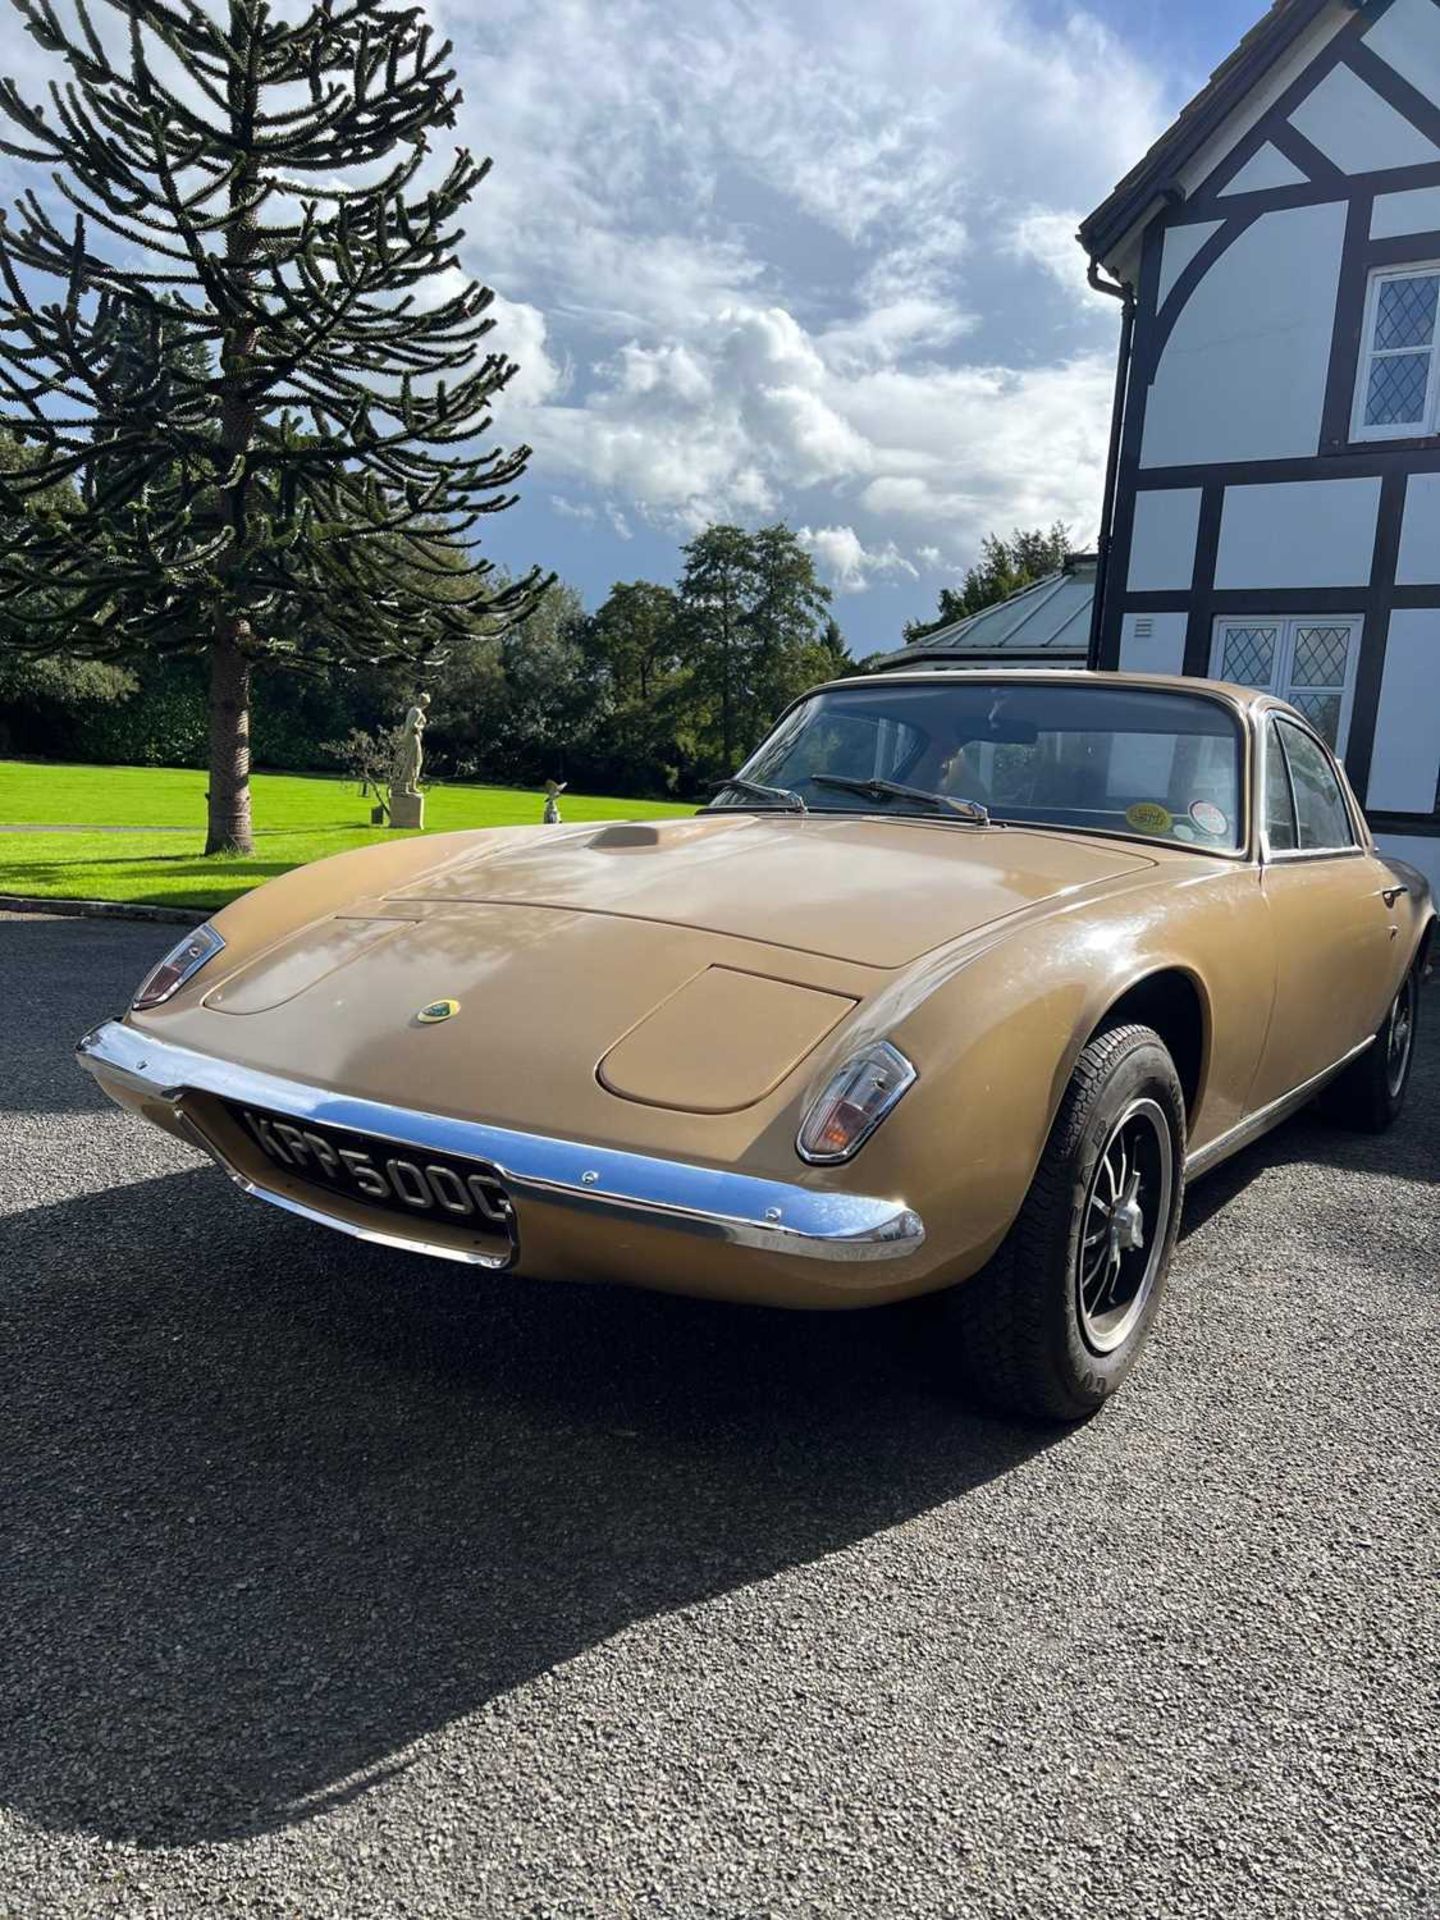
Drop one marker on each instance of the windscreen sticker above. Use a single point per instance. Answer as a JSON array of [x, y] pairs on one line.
[[1183, 830], [1209, 818], [1148, 816]]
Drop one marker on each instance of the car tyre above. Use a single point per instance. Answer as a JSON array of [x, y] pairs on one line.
[[1369, 1095], [1053, 1324]]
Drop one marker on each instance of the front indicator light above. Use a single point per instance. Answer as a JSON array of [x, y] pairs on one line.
[[183, 961], [853, 1102]]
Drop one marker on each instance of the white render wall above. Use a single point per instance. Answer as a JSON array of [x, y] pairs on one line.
[[1418, 562], [1266, 167], [1359, 130], [1180, 247], [1407, 37], [1405, 759], [1242, 376], [1162, 549], [1416, 210], [1299, 533], [1421, 850], [1152, 643]]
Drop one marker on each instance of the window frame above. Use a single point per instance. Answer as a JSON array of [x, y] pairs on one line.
[[1282, 685], [1426, 427], [1270, 719]]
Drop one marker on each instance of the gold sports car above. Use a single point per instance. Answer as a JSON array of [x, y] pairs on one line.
[[952, 986]]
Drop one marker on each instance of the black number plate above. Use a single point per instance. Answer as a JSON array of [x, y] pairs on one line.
[[385, 1174]]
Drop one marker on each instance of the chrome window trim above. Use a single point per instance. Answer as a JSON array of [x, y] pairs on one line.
[[1269, 717], [773, 1216]]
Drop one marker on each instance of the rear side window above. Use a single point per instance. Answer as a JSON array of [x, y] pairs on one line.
[[1279, 804], [1321, 817]]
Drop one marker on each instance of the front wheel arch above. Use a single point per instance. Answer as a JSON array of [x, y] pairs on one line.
[[1173, 1003]]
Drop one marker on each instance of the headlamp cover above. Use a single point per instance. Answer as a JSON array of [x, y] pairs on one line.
[[853, 1102], [183, 961]]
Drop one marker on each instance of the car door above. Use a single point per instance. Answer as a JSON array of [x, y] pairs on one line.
[[1326, 894]]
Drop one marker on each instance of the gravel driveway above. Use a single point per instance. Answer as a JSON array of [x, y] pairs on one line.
[[340, 1583]]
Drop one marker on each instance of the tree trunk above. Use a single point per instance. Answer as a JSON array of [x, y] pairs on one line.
[[230, 665], [727, 723], [229, 821]]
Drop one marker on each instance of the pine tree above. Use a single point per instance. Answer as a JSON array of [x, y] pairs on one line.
[[751, 626], [717, 590], [294, 476], [785, 624]]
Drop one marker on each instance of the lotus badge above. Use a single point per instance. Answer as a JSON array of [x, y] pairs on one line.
[[437, 1011]]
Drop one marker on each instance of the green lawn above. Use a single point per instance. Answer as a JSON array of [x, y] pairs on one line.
[[297, 818]]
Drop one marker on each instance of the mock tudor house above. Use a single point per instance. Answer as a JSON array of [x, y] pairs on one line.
[[1272, 509]]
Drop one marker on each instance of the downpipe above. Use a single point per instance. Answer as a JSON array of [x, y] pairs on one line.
[[1124, 292]]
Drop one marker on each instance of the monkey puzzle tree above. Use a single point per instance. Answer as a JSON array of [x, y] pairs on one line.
[[295, 476]]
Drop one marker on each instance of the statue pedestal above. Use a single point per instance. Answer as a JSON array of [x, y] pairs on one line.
[[407, 810]]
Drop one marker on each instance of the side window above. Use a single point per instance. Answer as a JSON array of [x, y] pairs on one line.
[[1321, 814], [1279, 806]]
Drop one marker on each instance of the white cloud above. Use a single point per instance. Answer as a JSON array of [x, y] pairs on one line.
[[582, 510], [806, 260], [928, 456], [753, 256], [521, 334], [846, 561], [1048, 240]]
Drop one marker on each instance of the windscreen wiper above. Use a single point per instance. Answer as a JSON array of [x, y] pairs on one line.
[[784, 797], [970, 810]]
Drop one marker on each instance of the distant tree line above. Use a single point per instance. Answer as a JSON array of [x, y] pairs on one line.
[[659, 691]]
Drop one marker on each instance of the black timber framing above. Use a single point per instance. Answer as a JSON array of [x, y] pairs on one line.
[[1269, 40], [1337, 456], [1373, 635]]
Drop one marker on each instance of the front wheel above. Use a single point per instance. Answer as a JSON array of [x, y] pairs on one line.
[[1056, 1320]]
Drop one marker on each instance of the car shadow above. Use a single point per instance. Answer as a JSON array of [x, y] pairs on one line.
[[278, 1504]]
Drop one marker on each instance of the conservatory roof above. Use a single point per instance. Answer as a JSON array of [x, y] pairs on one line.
[[1049, 620]]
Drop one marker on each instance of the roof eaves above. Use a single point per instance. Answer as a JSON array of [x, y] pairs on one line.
[[1227, 86]]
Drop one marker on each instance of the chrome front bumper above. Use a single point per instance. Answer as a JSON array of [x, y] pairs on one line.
[[771, 1215]]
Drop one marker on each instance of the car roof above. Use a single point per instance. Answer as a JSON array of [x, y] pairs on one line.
[[1247, 697]]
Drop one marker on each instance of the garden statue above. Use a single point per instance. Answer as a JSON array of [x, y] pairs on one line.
[[553, 791], [407, 772], [407, 804]]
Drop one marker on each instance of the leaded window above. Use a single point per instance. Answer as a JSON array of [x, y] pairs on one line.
[[1309, 660], [1397, 391]]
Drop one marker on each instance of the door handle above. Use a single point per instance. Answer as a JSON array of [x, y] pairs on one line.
[[1391, 894]]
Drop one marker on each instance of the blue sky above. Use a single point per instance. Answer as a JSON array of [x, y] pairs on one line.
[[809, 259], [804, 259]]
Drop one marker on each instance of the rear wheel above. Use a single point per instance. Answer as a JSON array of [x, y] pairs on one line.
[[1370, 1094], [1055, 1321]]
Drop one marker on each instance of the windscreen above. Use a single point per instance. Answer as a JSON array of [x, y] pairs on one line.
[[1140, 762]]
